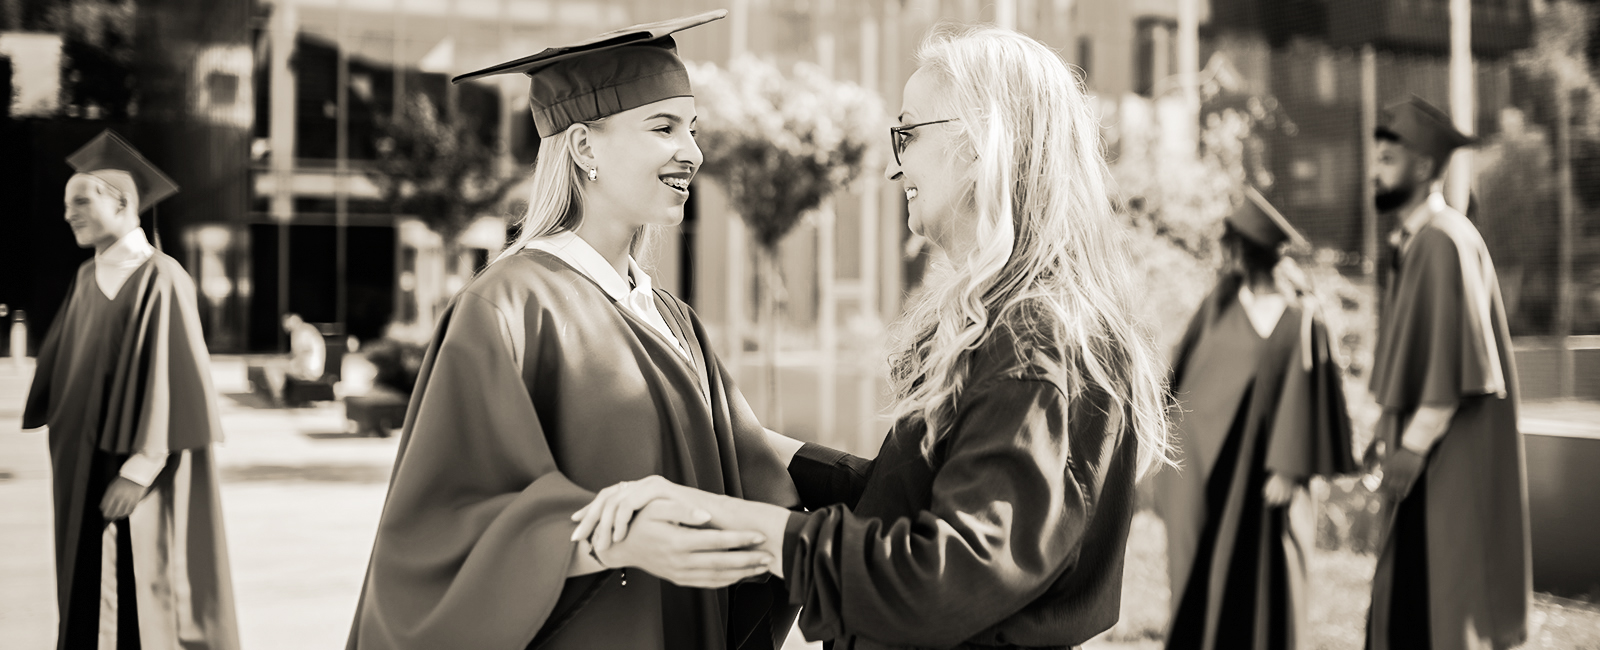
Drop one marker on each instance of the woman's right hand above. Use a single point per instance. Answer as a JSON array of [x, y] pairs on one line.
[[659, 542]]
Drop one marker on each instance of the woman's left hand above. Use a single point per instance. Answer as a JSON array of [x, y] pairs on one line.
[[606, 519]]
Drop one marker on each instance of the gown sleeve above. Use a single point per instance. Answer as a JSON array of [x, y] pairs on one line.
[[1203, 316], [472, 549], [826, 476], [36, 411], [162, 397], [1311, 428], [1010, 503], [1441, 345]]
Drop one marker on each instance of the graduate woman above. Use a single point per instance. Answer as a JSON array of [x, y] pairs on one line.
[[996, 512], [559, 371], [1263, 411]]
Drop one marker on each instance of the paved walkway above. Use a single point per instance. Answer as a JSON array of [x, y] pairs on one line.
[[301, 499], [301, 504]]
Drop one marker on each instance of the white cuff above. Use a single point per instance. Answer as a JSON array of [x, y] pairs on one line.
[[143, 467]]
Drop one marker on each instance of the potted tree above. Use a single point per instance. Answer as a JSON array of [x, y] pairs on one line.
[[780, 144]]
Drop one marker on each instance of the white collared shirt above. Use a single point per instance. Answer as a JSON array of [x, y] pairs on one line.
[[112, 268], [639, 299], [1419, 217], [114, 265]]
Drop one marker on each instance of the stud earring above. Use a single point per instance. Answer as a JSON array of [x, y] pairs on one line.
[[594, 174]]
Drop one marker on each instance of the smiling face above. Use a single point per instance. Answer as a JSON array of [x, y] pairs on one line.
[[644, 159], [97, 216], [931, 171]]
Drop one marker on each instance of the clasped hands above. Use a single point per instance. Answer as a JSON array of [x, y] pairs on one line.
[[684, 535]]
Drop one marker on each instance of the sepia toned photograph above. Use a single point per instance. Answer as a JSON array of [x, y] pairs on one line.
[[800, 324]]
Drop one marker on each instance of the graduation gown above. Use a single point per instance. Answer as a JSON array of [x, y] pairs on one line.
[[1252, 406], [1459, 545], [536, 392], [1012, 537], [114, 376]]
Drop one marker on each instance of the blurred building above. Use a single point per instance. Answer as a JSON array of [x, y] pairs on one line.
[[173, 76], [268, 112], [1330, 64]]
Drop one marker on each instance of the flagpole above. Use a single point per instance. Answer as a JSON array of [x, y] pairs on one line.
[[282, 134], [341, 199], [1458, 187]]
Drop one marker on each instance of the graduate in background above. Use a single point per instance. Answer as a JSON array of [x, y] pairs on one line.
[[559, 371], [1263, 412], [124, 383], [1455, 570]]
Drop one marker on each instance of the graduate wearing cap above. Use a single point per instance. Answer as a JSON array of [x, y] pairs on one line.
[[1455, 570], [1263, 411], [124, 385], [559, 371]]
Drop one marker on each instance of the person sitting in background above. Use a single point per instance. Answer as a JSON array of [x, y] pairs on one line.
[[308, 354]]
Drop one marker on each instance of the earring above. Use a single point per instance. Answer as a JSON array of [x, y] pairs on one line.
[[594, 174]]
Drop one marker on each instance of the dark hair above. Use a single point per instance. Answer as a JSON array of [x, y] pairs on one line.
[[1255, 257], [1438, 163]]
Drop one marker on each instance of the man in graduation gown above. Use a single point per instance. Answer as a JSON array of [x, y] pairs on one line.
[[1455, 570], [1263, 412], [551, 376], [124, 384]]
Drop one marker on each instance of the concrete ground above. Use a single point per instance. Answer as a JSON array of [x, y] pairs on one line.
[[301, 499], [301, 504]]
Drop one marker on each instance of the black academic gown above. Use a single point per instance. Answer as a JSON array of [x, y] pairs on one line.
[[116, 375], [537, 391], [1455, 569], [1012, 537], [1251, 406]]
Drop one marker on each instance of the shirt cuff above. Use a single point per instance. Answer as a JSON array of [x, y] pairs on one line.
[[826, 476], [143, 467]]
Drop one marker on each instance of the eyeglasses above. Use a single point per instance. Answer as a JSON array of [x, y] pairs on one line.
[[898, 135]]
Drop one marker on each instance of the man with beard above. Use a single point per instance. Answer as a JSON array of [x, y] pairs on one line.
[[1455, 570]]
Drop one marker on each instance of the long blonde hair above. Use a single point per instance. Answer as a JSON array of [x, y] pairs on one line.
[[1049, 262], [556, 201]]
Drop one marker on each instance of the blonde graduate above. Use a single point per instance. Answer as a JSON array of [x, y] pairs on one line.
[[555, 372], [1027, 392]]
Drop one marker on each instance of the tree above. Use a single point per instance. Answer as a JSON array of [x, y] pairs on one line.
[[438, 169], [781, 145], [1535, 206], [98, 56], [1177, 185]]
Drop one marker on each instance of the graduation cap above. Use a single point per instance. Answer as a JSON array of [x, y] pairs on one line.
[[605, 75], [111, 159], [1258, 221], [1422, 128]]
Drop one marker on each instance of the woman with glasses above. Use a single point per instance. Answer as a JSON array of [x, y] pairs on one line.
[[1027, 398]]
